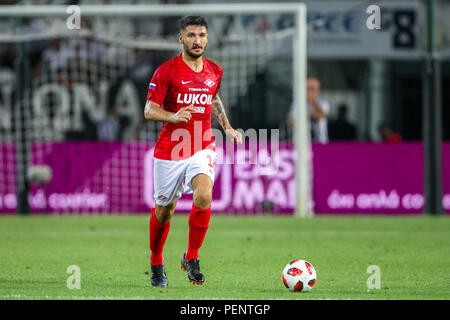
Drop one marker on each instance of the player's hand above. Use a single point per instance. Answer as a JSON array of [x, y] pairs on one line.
[[234, 135], [184, 114]]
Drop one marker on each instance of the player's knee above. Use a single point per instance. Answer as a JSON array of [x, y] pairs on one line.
[[203, 198], [164, 214]]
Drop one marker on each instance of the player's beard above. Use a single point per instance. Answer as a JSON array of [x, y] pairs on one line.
[[190, 53]]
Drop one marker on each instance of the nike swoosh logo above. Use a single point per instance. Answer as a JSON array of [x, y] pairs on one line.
[[184, 82]]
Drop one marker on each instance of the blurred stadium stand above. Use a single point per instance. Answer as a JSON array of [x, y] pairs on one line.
[[344, 79]]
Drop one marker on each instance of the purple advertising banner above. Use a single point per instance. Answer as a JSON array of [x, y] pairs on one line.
[[371, 178], [348, 178]]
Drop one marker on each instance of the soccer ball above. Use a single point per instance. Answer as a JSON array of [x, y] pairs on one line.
[[299, 275]]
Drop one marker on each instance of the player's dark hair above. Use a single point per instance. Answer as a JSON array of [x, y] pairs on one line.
[[193, 21]]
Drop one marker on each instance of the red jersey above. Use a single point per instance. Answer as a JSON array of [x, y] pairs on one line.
[[175, 85]]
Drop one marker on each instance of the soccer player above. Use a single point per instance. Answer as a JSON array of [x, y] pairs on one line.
[[182, 94]]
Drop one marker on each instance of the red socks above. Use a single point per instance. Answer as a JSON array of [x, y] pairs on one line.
[[198, 225], [158, 236]]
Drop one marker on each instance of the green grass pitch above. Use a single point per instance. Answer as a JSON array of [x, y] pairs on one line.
[[242, 257]]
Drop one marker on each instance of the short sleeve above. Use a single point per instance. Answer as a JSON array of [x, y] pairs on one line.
[[220, 82], [157, 89]]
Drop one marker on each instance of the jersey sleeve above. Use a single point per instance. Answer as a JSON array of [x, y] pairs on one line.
[[157, 89], [220, 82]]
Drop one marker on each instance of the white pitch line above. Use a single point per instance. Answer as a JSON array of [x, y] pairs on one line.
[[23, 296]]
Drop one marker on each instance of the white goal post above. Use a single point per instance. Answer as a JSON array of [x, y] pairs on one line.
[[301, 136]]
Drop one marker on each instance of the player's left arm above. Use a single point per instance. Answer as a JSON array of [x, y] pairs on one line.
[[219, 112]]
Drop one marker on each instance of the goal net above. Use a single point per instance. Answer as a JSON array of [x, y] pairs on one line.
[[73, 83]]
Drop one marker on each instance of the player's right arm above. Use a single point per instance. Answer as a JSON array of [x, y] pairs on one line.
[[154, 112], [157, 90]]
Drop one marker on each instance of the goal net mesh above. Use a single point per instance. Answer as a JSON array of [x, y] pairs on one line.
[[70, 82]]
